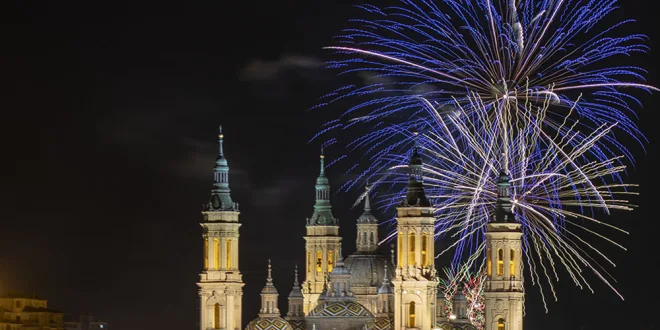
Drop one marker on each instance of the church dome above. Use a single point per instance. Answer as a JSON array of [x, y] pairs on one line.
[[368, 269], [340, 308], [269, 323], [380, 323]]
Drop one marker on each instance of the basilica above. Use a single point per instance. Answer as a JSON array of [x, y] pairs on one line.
[[365, 290]]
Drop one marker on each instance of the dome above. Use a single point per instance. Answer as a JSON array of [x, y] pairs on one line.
[[340, 308], [269, 323], [380, 323], [368, 269], [367, 218]]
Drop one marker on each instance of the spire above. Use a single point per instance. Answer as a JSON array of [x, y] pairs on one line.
[[269, 297], [503, 212], [295, 278], [416, 196], [385, 288], [367, 217], [322, 171], [367, 204], [322, 209], [295, 291], [269, 288], [220, 194]]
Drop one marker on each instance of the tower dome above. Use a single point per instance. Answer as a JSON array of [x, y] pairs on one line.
[[269, 315]]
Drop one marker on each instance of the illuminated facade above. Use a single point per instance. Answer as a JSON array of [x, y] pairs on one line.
[[415, 282], [322, 243], [366, 291], [221, 283], [18, 313], [504, 295]]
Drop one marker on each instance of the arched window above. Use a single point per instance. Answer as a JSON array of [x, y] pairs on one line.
[[500, 324], [364, 238], [489, 262], [330, 261], [411, 249], [229, 253], [500, 262], [371, 238], [399, 258], [206, 253], [411, 315], [512, 267], [216, 316], [319, 262], [309, 262], [216, 246], [425, 261]]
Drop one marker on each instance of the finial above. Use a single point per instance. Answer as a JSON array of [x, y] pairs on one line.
[[392, 253], [367, 204], [270, 271], [385, 276], [221, 137], [322, 162], [295, 276]]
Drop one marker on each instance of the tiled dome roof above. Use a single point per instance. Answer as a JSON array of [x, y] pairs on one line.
[[269, 323], [297, 324], [380, 323], [341, 308]]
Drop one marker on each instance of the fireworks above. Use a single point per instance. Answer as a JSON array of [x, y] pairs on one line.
[[500, 50], [526, 87], [556, 188], [471, 285]]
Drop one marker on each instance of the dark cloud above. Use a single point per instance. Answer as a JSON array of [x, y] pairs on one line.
[[260, 70]]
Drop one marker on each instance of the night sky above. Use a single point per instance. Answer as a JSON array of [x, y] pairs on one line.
[[110, 112]]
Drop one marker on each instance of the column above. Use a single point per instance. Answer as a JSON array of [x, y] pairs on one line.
[[405, 240], [418, 249], [230, 325], [493, 258], [202, 312], [507, 257], [223, 253]]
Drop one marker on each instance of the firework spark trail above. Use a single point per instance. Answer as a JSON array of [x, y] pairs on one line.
[[553, 182], [499, 49]]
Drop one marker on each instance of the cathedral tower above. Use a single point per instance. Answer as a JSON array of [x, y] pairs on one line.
[[296, 300], [503, 294], [415, 282], [367, 228], [221, 283], [269, 297], [322, 242]]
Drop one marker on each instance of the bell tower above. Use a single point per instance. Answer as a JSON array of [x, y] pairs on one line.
[[367, 227], [221, 283], [415, 281], [322, 242], [504, 295]]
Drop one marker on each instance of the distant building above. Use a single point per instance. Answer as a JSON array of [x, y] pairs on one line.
[[28, 313], [83, 322]]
